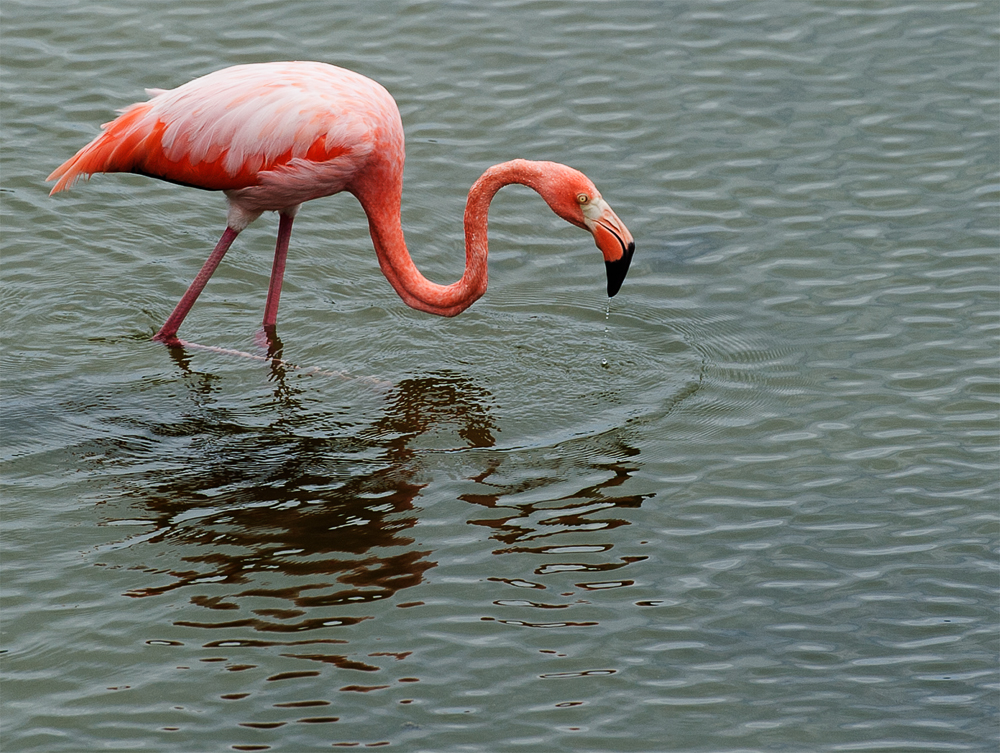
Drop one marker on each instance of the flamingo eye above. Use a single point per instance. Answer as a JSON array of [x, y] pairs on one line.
[[582, 198]]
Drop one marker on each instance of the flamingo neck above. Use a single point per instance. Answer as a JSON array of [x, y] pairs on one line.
[[382, 205]]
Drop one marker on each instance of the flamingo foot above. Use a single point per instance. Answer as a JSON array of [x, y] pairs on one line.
[[266, 338], [169, 339]]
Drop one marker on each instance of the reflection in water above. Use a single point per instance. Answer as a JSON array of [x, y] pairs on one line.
[[528, 521], [283, 520], [289, 525], [529, 518], [322, 511]]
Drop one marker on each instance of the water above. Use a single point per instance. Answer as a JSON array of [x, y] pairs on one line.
[[751, 506]]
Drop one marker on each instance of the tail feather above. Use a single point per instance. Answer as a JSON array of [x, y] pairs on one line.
[[115, 150]]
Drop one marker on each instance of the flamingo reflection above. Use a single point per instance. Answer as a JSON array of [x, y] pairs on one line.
[[323, 514]]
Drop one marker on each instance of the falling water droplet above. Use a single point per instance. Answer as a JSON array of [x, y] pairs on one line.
[[604, 345]]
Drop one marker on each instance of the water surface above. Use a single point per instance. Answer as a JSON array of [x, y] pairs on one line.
[[751, 508]]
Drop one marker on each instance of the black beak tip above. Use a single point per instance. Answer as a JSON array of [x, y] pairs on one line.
[[618, 269]]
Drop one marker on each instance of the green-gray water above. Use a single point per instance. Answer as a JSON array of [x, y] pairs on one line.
[[769, 522]]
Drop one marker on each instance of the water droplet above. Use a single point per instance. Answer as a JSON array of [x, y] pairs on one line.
[[604, 346]]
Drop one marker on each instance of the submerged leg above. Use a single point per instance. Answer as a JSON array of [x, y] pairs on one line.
[[278, 269], [168, 332]]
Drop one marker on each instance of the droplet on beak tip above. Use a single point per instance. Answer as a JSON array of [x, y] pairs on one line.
[[618, 269]]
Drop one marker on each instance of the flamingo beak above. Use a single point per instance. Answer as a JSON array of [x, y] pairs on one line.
[[614, 240]]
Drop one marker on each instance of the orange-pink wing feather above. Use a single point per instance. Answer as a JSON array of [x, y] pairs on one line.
[[247, 126]]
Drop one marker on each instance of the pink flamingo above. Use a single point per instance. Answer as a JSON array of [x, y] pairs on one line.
[[271, 136]]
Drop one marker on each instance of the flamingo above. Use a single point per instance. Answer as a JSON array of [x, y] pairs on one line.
[[272, 136]]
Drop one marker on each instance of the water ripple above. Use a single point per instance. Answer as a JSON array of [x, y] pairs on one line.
[[757, 494]]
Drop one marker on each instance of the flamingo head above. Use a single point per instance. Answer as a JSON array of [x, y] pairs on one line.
[[572, 196]]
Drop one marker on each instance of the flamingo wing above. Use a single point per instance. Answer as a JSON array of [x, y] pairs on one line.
[[267, 124]]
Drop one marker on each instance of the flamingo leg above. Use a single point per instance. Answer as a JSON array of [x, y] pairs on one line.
[[278, 269], [168, 332]]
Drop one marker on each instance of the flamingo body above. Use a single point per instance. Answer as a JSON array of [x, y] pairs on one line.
[[272, 136]]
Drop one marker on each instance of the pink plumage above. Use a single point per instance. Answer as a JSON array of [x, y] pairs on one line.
[[265, 127], [272, 136]]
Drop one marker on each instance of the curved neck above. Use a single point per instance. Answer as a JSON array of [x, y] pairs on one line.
[[381, 200]]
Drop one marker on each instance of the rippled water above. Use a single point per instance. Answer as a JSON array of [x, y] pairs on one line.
[[751, 508]]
